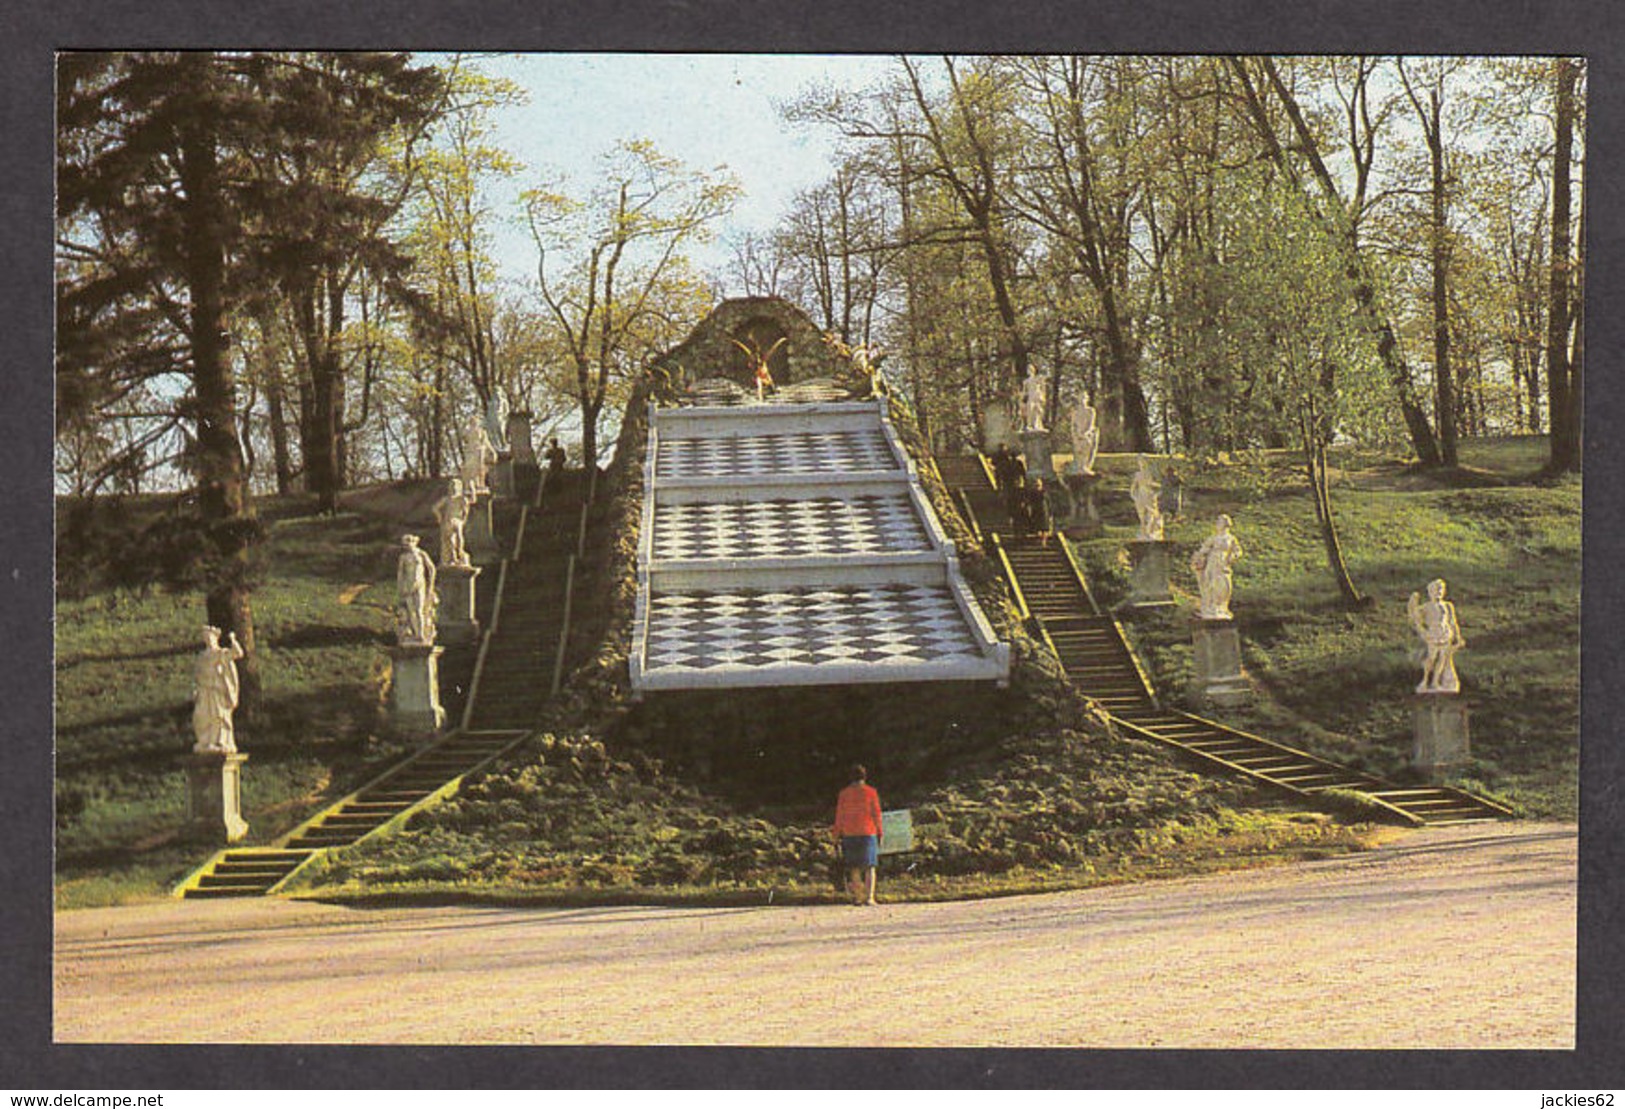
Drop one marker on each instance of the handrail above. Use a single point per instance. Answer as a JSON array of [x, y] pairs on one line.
[[1010, 576], [1257, 776], [581, 529], [962, 502], [1134, 660], [1077, 572], [519, 532], [485, 646], [564, 626], [987, 470], [1043, 633]]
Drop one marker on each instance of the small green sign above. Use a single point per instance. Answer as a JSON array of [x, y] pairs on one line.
[[897, 828]]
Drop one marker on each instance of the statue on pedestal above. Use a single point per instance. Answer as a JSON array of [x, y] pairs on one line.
[[415, 596], [478, 457], [1143, 490], [1435, 622], [451, 511], [214, 696], [1034, 395], [1211, 563], [1085, 437]]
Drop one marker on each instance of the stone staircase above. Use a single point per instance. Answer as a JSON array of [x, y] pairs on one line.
[[1050, 587], [516, 680], [512, 687]]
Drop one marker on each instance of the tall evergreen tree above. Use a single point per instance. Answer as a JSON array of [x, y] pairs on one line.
[[171, 214]]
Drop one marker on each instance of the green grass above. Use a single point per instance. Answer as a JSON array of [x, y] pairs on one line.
[[1337, 682], [1041, 801], [123, 675]]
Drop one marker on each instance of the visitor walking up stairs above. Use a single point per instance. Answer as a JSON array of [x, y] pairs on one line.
[[511, 684], [1050, 587]]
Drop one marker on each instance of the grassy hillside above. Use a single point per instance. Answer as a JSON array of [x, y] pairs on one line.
[[726, 798], [1338, 682], [727, 795], [123, 687]]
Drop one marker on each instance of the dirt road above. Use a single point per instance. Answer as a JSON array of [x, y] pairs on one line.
[[1391, 949]]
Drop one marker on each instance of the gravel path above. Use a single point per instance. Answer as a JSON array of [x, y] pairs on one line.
[[1390, 949]]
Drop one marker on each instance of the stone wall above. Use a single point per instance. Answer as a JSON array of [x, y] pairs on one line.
[[758, 322]]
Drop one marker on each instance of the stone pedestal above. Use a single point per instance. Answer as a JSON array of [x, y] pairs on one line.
[[1219, 677], [519, 441], [1439, 727], [414, 690], [458, 621], [479, 537], [501, 476], [1083, 519], [214, 809], [1148, 572], [1035, 449]]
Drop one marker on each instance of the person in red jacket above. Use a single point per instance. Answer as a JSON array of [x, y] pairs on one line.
[[857, 828]]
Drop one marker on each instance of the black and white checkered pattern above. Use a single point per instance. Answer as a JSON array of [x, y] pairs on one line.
[[813, 452], [875, 625], [773, 529]]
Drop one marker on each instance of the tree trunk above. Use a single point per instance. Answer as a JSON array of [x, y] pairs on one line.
[[1444, 411], [222, 484], [275, 398], [1320, 487], [1561, 414]]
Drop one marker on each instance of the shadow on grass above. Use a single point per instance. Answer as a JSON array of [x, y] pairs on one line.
[[327, 635]]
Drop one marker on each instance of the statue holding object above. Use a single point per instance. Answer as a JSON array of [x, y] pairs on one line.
[[415, 597], [1435, 622], [214, 693]]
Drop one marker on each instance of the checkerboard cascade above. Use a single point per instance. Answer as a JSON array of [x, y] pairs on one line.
[[778, 528], [881, 626], [766, 455], [789, 544]]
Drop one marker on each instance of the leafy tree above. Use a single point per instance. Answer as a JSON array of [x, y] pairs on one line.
[[1261, 84], [337, 168], [1290, 311], [1426, 84], [611, 270], [150, 153], [193, 189], [1076, 125]]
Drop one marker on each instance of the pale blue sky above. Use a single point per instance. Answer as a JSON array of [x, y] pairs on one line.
[[705, 109]]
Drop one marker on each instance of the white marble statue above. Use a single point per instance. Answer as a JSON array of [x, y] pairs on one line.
[[1211, 563], [1143, 491], [496, 420], [451, 511], [478, 458], [1034, 396], [1085, 437], [214, 693], [415, 596], [1435, 622]]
